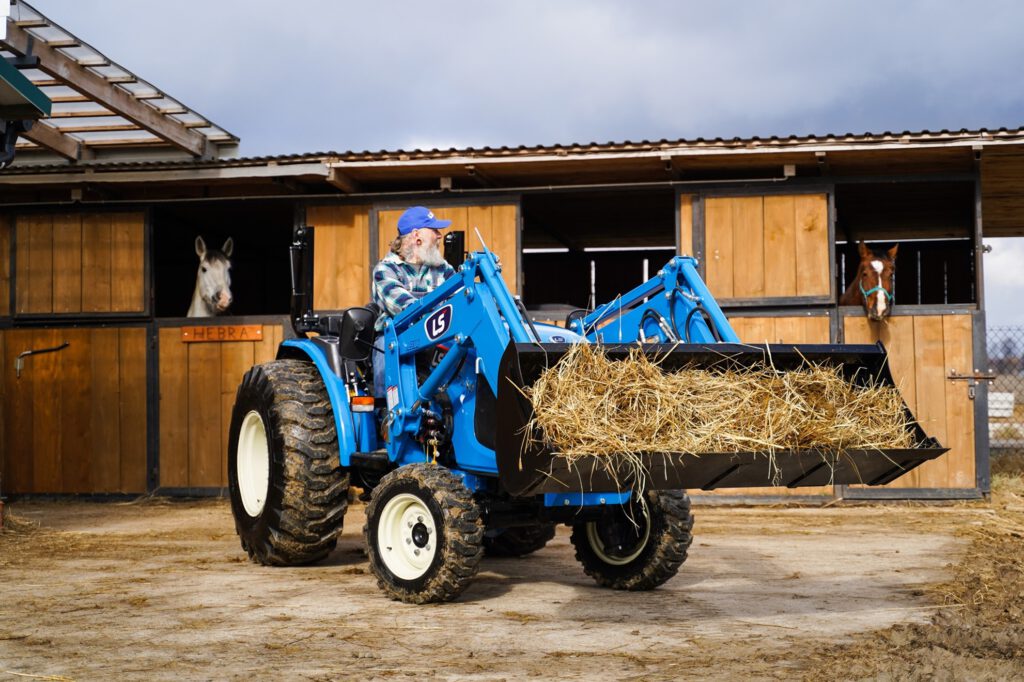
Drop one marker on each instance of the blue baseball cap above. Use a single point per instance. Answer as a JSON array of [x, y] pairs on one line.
[[420, 216]]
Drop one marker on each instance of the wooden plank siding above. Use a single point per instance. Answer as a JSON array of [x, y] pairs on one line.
[[767, 246], [922, 351], [70, 263], [686, 225], [341, 274], [198, 382], [75, 421], [497, 225], [803, 329], [6, 233]]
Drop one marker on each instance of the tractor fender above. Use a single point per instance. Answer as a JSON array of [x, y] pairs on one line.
[[304, 349]]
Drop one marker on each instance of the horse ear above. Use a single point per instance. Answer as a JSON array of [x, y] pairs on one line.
[[862, 248], [200, 248], [892, 252], [228, 247]]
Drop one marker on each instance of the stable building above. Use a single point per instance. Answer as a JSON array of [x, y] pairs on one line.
[[107, 387]]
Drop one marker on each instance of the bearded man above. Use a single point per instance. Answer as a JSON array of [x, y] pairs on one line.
[[413, 267]]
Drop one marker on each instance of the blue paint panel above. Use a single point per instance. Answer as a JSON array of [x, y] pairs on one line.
[[585, 499]]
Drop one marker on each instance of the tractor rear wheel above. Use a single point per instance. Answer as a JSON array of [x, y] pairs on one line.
[[288, 493], [637, 548], [519, 540], [424, 534]]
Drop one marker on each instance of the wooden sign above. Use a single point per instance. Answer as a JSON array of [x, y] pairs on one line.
[[234, 332]]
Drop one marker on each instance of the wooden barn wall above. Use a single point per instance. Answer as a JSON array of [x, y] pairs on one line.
[[686, 246], [341, 273], [75, 420], [923, 351], [767, 246], [6, 231], [79, 263], [197, 392], [498, 226]]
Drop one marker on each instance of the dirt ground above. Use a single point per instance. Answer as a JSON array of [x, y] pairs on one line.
[[158, 589]]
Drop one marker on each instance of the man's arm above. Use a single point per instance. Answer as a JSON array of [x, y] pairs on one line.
[[390, 291]]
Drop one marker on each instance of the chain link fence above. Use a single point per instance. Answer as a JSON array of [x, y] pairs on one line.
[[1006, 399]]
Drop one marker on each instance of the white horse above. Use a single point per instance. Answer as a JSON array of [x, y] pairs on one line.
[[213, 280]]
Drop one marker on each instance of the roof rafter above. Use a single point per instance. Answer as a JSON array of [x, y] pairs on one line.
[[50, 138], [99, 88]]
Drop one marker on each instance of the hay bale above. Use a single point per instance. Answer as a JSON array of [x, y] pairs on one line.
[[587, 404]]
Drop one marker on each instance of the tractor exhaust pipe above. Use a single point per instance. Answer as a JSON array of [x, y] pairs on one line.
[[301, 259]]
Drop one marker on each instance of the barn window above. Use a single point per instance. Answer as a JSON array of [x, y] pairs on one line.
[[933, 223], [582, 249], [261, 232]]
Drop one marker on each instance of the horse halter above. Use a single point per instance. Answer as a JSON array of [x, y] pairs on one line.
[[871, 291]]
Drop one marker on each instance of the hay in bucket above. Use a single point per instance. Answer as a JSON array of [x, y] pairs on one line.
[[588, 405]]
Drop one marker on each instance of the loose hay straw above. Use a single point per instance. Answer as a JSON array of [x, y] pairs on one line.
[[588, 405]]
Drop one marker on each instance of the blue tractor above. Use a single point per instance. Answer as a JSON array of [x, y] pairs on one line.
[[443, 455]]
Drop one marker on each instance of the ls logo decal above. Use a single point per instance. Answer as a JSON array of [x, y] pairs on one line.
[[438, 323]]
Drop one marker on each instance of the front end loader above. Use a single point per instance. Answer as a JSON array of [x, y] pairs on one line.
[[445, 454]]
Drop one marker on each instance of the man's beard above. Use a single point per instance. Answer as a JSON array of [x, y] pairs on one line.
[[424, 254]]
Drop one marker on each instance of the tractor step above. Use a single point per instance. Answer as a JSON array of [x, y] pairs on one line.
[[376, 460]]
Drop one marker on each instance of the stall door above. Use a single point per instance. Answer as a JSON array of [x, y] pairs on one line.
[[341, 268], [74, 421], [198, 382], [924, 350], [771, 246]]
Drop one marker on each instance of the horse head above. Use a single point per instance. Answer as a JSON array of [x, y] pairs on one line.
[[873, 285], [213, 280]]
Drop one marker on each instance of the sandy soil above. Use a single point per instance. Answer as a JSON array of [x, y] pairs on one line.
[[161, 590]]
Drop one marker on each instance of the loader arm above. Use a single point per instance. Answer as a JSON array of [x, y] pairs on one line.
[[674, 306]]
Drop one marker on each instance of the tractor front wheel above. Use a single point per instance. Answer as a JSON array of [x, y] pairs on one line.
[[288, 492], [424, 534], [636, 547]]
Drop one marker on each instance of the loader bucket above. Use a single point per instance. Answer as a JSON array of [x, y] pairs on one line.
[[528, 467]]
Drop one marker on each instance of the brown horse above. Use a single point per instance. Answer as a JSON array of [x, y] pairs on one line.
[[873, 286]]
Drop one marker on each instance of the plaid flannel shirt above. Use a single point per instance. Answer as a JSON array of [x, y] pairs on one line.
[[396, 284]]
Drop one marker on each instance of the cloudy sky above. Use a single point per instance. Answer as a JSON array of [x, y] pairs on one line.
[[317, 75]]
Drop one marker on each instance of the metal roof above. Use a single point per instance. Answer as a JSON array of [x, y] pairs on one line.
[[97, 103], [846, 141]]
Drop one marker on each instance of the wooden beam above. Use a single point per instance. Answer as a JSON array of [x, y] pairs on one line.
[[343, 182], [57, 142], [98, 129], [117, 99], [483, 179], [85, 113]]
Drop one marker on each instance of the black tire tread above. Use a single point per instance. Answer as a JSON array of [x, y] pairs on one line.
[[672, 533], [314, 487], [464, 532]]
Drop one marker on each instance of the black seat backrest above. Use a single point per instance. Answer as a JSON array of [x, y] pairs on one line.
[[354, 329]]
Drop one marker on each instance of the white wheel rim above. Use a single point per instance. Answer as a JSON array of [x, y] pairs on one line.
[[406, 536], [594, 538], [253, 464]]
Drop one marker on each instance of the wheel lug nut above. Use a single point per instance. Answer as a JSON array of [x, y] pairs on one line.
[[416, 552], [410, 524], [419, 519], [408, 541]]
